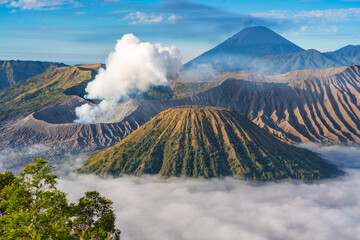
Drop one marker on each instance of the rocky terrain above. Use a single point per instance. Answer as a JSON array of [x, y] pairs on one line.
[[323, 108], [63, 137], [198, 141]]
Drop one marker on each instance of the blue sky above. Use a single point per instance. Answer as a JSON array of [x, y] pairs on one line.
[[77, 31]]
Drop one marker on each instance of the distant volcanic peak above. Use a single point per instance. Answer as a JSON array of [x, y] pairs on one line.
[[301, 75], [260, 35], [351, 53], [349, 48], [206, 142], [240, 50], [255, 42]]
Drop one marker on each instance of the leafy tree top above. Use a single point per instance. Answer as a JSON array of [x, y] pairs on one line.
[[31, 207]]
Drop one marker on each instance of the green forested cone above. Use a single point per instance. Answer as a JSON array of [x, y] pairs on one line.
[[207, 142]]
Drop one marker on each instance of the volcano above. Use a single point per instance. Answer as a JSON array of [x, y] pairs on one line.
[[207, 142], [240, 50]]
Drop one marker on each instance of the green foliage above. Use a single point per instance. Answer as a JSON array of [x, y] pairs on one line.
[[12, 72], [159, 92], [95, 218], [185, 89], [6, 179], [52, 87], [32, 208]]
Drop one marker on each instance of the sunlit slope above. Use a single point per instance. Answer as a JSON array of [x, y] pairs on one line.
[[206, 142], [324, 108], [54, 86], [12, 72]]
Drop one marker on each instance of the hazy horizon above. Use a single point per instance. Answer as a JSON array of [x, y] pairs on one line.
[[45, 30]]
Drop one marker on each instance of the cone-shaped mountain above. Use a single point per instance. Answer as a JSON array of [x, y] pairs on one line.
[[207, 142], [244, 46]]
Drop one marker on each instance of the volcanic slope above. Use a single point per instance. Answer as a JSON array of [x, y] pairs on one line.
[[12, 72], [320, 106], [310, 106], [349, 52], [309, 59], [261, 49], [207, 142], [237, 52], [54, 86], [323, 109]]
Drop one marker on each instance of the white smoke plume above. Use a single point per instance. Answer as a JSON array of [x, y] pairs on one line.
[[133, 65]]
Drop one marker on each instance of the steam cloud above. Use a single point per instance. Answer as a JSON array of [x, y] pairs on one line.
[[149, 207], [15, 159], [199, 72], [134, 65], [152, 208]]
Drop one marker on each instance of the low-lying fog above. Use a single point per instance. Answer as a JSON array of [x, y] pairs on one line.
[[152, 208]]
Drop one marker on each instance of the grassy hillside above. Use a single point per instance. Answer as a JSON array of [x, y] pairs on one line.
[[52, 87], [180, 88], [12, 72], [206, 142], [183, 89]]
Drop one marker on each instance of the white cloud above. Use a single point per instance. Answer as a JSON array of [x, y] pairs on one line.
[[120, 11], [37, 4], [330, 29], [304, 28], [148, 18], [143, 18], [328, 15], [173, 19], [14, 158], [345, 157], [79, 13], [273, 14], [149, 207]]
